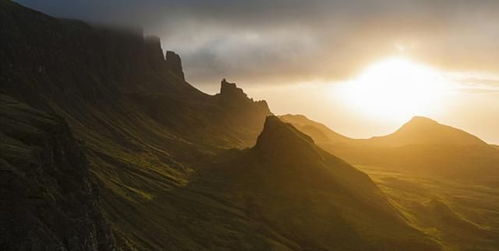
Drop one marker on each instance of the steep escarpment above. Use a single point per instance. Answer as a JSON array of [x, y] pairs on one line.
[[48, 199], [139, 124], [68, 65]]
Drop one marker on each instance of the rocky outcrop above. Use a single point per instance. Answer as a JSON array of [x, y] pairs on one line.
[[241, 111], [154, 52], [174, 64], [230, 94], [47, 199], [228, 89]]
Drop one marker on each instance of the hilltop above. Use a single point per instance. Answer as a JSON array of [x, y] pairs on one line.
[[421, 146]]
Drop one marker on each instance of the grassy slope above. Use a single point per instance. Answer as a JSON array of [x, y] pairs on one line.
[[462, 216], [47, 197]]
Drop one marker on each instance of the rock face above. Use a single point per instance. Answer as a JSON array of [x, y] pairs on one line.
[[235, 101], [231, 95], [174, 64], [48, 201], [230, 90]]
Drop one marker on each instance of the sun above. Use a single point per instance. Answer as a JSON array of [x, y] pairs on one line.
[[395, 88]]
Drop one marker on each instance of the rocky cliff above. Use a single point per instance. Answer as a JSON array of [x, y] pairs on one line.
[[174, 64]]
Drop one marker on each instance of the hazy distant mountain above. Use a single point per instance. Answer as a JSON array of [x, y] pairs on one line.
[[424, 131], [421, 146], [319, 132]]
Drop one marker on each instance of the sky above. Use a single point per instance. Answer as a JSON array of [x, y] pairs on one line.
[[298, 55]]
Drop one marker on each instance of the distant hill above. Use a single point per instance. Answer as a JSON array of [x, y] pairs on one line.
[[421, 146], [319, 132], [424, 131]]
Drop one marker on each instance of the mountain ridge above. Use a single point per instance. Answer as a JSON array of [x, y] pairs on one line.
[[417, 147], [422, 130]]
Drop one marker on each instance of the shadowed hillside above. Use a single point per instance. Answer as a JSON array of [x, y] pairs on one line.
[[49, 201], [140, 125], [87, 71]]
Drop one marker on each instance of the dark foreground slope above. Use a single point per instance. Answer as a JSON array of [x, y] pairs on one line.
[[48, 201], [421, 146]]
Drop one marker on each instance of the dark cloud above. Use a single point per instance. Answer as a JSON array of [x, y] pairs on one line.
[[284, 41]]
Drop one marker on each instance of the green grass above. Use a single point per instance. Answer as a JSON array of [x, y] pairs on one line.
[[461, 216]]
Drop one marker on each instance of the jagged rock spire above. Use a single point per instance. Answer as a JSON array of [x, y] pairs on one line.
[[174, 64], [231, 89]]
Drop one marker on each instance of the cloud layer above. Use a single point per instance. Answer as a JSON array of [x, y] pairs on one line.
[[287, 41]]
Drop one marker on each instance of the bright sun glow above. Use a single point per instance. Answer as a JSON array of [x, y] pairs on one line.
[[395, 88]]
